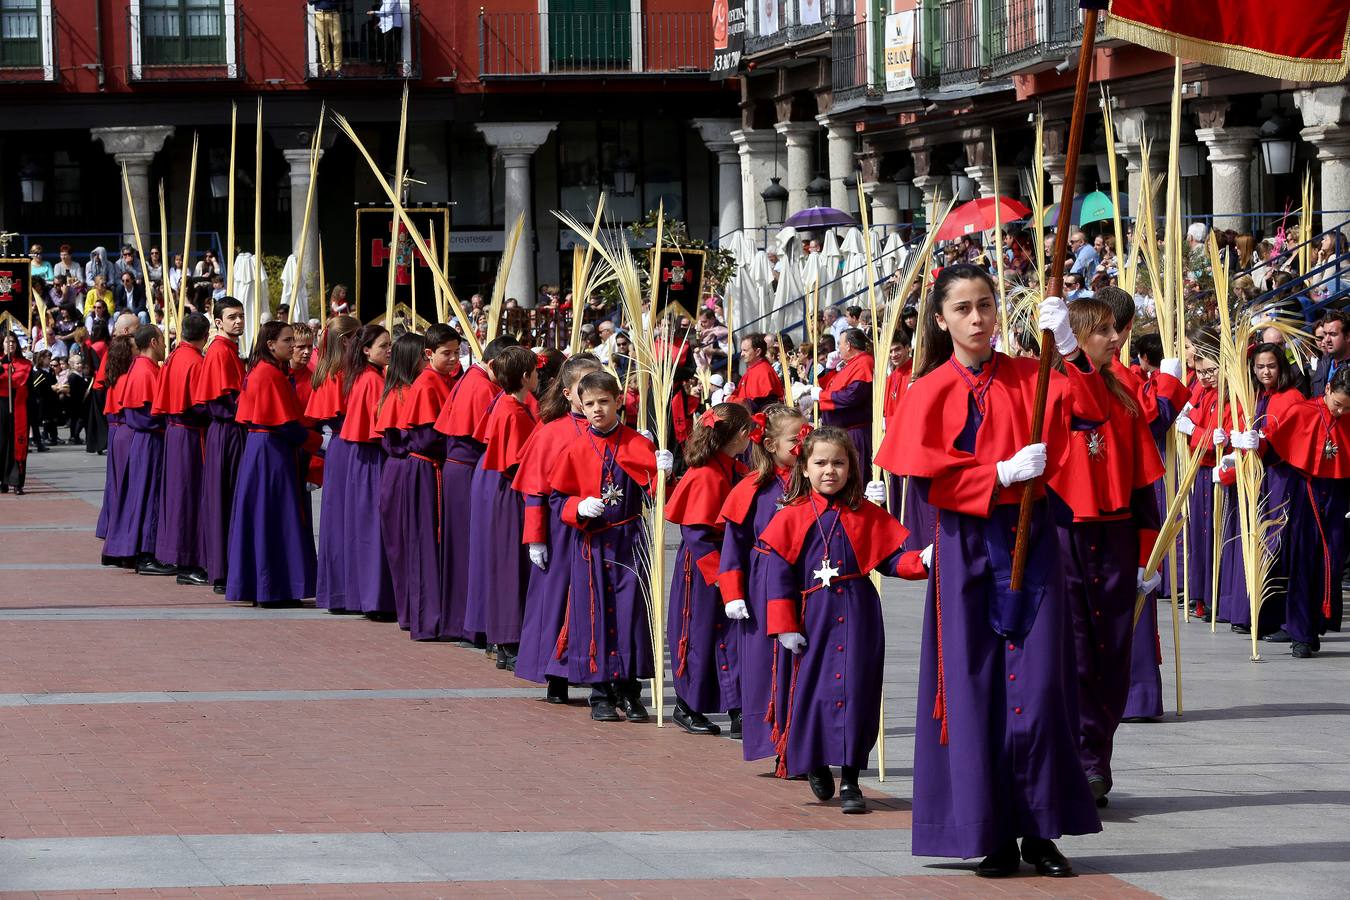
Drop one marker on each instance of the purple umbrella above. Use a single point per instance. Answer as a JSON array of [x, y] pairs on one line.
[[819, 217]]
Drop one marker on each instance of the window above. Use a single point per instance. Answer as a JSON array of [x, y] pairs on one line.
[[183, 32], [20, 34], [590, 35], [637, 164]]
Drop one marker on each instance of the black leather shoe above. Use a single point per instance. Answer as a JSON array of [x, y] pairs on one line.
[[1099, 790], [282, 604], [193, 577], [557, 690], [501, 655], [1002, 863], [1278, 637], [218, 587], [822, 783], [152, 566], [1300, 650], [110, 561], [734, 732], [1045, 856], [1239, 629], [851, 801], [633, 709], [692, 722], [603, 711]]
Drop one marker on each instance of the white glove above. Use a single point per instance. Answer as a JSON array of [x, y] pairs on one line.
[[1246, 440], [591, 508], [1026, 464], [651, 438], [876, 492], [1185, 425], [1055, 319], [323, 444], [728, 389], [832, 359], [1226, 463], [539, 555], [665, 460], [1171, 366], [793, 641], [736, 609], [1147, 585], [799, 391], [814, 394], [926, 556], [1220, 437]]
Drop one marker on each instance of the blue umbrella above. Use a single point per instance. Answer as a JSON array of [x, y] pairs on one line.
[[819, 217]]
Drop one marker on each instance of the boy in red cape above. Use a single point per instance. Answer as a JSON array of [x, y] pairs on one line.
[[216, 391], [179, 540], [846, 399]]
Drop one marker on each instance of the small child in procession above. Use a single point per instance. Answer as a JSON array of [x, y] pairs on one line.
[[775, 440], [602, 480], [703, 643], [821, 549]]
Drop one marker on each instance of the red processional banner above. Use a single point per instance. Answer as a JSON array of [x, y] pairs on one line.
[[1305, 41]]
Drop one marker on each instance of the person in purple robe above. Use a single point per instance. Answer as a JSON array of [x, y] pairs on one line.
[[705, 647], [216, 392], [178, 542], [776, 439], [271, 541], [459, 419], [1201, 423], [820, 549], [121, 354], [326, 408], [406, 361], [499, 564], [845, 396], [599, 484], [550, 543], [996, 737], [133, 522]]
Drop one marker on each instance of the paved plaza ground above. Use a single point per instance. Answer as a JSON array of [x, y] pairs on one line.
[[158, 741]]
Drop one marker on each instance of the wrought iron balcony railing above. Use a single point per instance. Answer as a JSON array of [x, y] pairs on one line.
[[527, 44], [368, 52], [1033, 35], [851, 75], [184, 43], [27, 51]]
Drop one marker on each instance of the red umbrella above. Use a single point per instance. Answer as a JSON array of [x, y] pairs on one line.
[[978, 215]]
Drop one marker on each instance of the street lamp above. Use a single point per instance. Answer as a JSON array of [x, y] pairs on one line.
[[908, 197], [818, 191], [1189, 161], [963, 188], [1278, 154], [31, 186], [775, 198], [625, 179]]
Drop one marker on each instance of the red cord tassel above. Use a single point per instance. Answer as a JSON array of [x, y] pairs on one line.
[[682, 653], [560, 647], [940, 702]]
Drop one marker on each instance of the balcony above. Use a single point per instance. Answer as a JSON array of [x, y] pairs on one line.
[[791, 30], [1033, 35], [851, 78], [27, 53], [962, 52], [183, 40], [367, 52], [533, 45]]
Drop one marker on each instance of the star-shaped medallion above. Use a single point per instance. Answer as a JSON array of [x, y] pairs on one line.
[[612, 494], [826, 573]]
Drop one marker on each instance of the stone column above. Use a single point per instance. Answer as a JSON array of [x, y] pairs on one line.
[[1232, 151], [136, 148], [516, 143], [756, 150], [841, 148], [932, 187], [1326, 120], [983, 177], [716, 135], [885, 202], [298, 162], [801, 151], [1132, 126]]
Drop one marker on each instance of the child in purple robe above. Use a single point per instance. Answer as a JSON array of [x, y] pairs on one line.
[[821, 548], [704, 646], [271, 533], [216, 392], [600, 483], [498, 562], [549, 542], [775, 438], [178, 542], [405, 363], [133, 523], [845, 397], [121, 354], [326, 408], [996, 735]]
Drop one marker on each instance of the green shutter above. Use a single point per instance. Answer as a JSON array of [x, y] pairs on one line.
[[590, 35]]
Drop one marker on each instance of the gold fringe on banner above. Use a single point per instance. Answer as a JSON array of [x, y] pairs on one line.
[[1232, 56]]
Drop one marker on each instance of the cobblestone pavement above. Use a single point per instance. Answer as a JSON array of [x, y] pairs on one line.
[[157, 741]]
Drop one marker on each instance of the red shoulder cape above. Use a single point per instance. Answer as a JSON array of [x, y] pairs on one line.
[[1169, 388], [874, 533], [1126, 459], [138, 387], [1135, 383], [1279, 404], [222, 371], [504, 431], [577, 472], [425, 399], [896, 383], [698, 498], [467, 404], [758, 382], [541, 451], [304, 387], [390, 414], [1300, 434], [362, 401], [859, 368], [1205, 415], [175, 381], [737, 505], [326, 402], [268, 398]]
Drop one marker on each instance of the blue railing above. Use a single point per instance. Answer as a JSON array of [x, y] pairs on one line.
[[82, 244]]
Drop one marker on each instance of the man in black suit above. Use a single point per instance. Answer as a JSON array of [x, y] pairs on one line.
[[130, 295], [1335, 343]]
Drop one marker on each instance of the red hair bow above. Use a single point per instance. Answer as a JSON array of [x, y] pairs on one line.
[[540, 360], [757, 425], [708, 419], [801, 437]]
